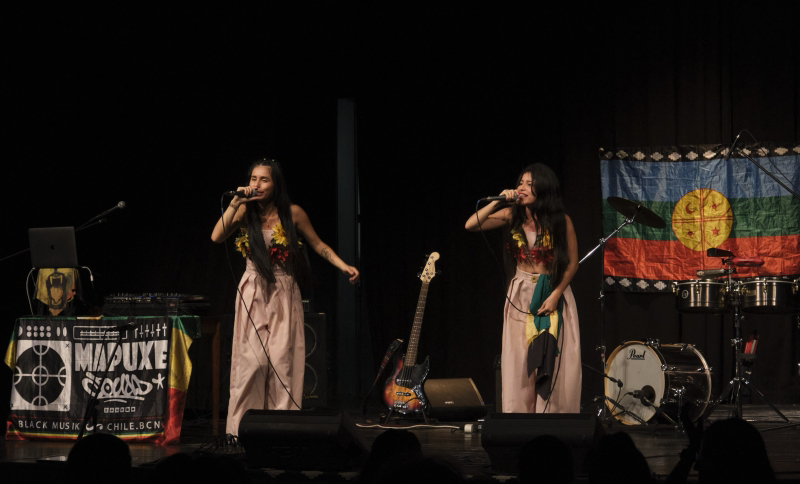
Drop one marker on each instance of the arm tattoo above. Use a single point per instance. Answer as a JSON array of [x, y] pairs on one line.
[[326, 254]]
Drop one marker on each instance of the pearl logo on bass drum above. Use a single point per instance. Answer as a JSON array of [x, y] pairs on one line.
[[633, 356]]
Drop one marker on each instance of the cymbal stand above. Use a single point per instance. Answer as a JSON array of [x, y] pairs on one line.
[[604, 414], [734, 387]]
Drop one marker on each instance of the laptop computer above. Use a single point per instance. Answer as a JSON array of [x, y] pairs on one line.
[[53, 247]]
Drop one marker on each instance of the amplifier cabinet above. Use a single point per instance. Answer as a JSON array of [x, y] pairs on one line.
[[315, 380]]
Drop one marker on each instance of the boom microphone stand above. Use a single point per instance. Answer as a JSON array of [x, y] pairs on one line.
[[605, 398], [630, 210], [95, 386]]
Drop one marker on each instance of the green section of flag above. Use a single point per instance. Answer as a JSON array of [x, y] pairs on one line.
[[752, 217]]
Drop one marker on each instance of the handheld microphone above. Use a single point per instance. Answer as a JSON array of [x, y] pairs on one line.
[[499, 198], [240, 193], [128, 325], [732, 146]]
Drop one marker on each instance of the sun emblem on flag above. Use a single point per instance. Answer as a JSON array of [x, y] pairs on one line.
[[702, 219]]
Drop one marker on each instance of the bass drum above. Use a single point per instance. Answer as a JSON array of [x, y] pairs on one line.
[[770, 295], [677, 373]]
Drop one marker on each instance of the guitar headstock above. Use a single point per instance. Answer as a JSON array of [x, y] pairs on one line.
[[429, 271]]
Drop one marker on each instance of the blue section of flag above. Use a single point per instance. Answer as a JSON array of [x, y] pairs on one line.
[[668, 181]]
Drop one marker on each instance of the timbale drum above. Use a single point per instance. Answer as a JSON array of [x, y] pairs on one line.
[[769, 295], [701, 296]]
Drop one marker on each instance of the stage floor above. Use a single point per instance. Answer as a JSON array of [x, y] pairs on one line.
[[660, 444]]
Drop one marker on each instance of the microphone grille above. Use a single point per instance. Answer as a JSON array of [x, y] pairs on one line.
[[121, 205]]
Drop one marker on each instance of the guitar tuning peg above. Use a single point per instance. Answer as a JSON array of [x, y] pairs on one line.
[[419, 274], [439, 273], [427, 255]]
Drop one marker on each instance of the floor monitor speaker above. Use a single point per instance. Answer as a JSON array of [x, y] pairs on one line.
[[454, 399], [315, 440], [504, 434], [315, 378]]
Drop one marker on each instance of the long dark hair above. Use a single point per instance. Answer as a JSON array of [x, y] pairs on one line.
[[548, 211], [297, 262]]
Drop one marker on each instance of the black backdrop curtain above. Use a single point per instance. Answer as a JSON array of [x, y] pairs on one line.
[[677, 74], [166, 109]]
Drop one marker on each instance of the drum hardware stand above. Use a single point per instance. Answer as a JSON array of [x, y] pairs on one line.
[[662, 413], [658, 410], [734, 386]]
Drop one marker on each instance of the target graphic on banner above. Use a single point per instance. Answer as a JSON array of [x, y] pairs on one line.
[[42, 376]]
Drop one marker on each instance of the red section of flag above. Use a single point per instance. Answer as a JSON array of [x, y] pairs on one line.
[[671, 260]]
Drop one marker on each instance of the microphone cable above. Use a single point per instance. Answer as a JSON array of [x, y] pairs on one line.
[[500, 266], [249, 316]]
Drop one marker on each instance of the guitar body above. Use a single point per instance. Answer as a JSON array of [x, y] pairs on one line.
[[403, 392]]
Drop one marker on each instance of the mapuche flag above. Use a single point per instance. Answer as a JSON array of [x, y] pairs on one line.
[[706, 202]]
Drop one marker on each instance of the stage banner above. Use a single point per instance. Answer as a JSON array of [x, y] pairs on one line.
[[142, 374], [706, 201]]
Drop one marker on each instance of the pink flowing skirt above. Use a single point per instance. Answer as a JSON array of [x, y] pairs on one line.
[[519, 395], [278, 316]]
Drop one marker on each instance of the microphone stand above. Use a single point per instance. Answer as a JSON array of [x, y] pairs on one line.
[[91, 407], [609, 399], [101, 217], [658, 410], [769, 174], [604, 414]]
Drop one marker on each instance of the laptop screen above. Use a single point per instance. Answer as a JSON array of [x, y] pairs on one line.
[[53, 247]]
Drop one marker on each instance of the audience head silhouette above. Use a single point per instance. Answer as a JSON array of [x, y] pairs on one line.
[[546, 459], [733, 451], [96, 457], [389, 444], [616, 459]]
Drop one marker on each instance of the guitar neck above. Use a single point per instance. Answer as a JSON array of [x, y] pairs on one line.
[[411, 355]]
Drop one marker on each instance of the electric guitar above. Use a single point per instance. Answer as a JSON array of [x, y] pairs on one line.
[[403, 391]]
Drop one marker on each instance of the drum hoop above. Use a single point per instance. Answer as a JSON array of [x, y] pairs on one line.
[[762, 281], [626, 343], [706, 368], [704, 363], [611, 358]]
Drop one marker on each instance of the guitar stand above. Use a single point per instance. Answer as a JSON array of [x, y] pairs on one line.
[[391, 411]]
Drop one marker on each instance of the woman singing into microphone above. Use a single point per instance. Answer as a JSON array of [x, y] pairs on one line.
[[269, 312], [541, 356]]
